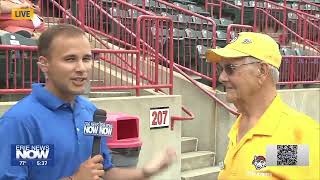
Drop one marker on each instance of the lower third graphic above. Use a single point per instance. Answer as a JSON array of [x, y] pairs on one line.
[[32, 154]]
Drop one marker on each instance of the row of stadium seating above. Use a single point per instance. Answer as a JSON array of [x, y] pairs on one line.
[[180, 19], [186, 42], [185, 27], [161, 7], [298, 4], [21, 69]]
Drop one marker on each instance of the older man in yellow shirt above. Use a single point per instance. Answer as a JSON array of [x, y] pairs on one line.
[[269, 140]]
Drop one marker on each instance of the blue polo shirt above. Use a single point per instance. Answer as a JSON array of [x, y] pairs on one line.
[[43, 118]]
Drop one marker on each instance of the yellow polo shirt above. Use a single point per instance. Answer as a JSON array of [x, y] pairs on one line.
[[279, 125]]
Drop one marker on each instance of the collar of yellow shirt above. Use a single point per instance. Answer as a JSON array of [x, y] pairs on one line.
[[266, 125]]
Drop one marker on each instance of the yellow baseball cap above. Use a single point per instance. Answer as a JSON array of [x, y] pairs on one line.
[[260, 46]]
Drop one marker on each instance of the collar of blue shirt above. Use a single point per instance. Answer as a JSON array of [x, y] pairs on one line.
[[42, 94]]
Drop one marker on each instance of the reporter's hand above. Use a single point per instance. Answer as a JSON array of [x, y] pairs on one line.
[[159, 164], [91, 169]]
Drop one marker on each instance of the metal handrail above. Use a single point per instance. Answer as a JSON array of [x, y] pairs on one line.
[[182, 118], [174, 118], [288, 29], [205, 91]]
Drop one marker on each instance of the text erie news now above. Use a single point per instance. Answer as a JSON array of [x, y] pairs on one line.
[[32, 154]]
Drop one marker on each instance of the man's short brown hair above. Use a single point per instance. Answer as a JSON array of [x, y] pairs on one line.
[[53, 32]]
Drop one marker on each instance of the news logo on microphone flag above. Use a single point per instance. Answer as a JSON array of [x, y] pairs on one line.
[[97, 129]]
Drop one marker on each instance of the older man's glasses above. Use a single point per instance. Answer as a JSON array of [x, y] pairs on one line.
[[231, 68]]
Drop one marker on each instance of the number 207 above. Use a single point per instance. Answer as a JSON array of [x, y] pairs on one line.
[[159, 117]]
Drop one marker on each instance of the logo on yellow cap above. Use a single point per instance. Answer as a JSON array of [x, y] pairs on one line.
[[247, 41]]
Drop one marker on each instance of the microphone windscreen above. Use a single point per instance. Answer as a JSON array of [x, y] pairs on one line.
[[99, 115]]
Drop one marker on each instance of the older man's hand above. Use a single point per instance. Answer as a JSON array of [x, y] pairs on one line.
[[160, 163]]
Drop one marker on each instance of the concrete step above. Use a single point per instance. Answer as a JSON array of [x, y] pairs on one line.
[[109, 94], [197, 160], [96, 82], [11, 97], [208, 173], [195, 77], [189, 144], [53, 20]]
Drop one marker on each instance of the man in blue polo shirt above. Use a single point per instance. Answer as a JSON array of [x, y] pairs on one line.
[[54, 114]]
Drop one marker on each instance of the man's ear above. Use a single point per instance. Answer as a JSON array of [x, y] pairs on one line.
[[263, 70], [43, 64]]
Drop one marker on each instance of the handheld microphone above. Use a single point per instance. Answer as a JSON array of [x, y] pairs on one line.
[[99, 116]]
